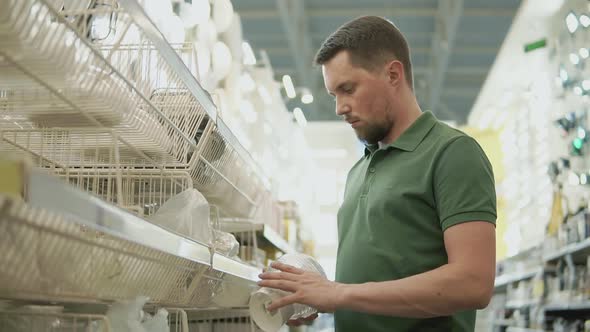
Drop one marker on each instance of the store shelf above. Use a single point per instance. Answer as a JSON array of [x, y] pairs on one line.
[[51, 194], [521, 329], [577, 250], [509, 278], [503, 322], [65, 236], [263, 233], [140, 18], [521, 304], [572, 306]]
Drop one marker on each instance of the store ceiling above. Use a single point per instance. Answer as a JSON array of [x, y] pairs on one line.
[[447, 79]]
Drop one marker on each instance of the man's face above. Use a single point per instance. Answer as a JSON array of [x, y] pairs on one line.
[[361, 97]]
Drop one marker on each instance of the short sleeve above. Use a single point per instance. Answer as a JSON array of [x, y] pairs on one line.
[[463, 183]]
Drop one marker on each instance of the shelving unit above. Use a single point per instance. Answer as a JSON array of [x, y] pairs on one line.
[[112, 128], [265, 234], [503, 280], [578, 251]]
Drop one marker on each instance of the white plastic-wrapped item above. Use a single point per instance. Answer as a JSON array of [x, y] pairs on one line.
[[272, 321], [157, 322], [187, 214], [225, 243], [126, 316]]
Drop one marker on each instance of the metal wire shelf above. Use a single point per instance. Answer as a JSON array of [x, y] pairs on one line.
[[37, 321], [48, 257], [73, 95], [221, 320]]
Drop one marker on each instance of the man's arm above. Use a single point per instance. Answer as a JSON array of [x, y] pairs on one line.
[[466, 282]]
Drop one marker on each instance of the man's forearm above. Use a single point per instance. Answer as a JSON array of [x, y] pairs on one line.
[[440, 292]]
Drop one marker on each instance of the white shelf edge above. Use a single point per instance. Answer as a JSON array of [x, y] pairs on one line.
[[277, 240], [567, 306], [572, 248], [516, 276], [245, 225], [52, 194]]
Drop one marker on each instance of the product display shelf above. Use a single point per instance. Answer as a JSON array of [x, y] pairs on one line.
[[69, 99], [66, 245], [265, 234]]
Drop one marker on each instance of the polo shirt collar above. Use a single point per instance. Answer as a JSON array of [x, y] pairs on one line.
[[412, 137]]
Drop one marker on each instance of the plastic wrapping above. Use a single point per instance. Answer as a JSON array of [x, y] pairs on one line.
[[187, 214], [157, 322], [126, 316], [226, 243], [272, 321]]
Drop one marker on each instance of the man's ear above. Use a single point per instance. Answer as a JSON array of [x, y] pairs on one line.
[[395, 72]]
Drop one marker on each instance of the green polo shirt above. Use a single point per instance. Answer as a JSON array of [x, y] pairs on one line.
[[399, 200]]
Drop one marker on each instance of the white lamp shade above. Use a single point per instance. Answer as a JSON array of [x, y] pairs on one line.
[[223, 12], [201, 11], [222, 60], [207, 33], [203, 59]]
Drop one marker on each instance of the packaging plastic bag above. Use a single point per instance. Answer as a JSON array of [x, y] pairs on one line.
[[187, 214], [273, 321], [157, 323], [126, 316], [225, 243]]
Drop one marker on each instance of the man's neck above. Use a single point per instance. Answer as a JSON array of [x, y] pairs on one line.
[[402, 122]]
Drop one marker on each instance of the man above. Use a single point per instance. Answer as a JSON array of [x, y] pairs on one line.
[[417, 225]]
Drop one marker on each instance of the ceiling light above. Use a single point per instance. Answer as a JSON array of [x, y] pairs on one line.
[[572, 22], [307, 97], [289, 88], [574, 58], [249, 57], [300, 117], [578, 90], [585, 20], [586, 85], [584, 53], [583, 178]]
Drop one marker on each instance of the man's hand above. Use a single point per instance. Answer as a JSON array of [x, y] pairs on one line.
[[307, 288]]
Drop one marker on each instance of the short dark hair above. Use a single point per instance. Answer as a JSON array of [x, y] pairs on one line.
[[371, 42]]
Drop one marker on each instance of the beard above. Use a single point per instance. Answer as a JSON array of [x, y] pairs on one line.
[[374, 132]]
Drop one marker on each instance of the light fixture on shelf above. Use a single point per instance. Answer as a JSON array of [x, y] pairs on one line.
[[574, 59], [289, 88], [571, 22], [563, 75], [247, 83], [248, 55]]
